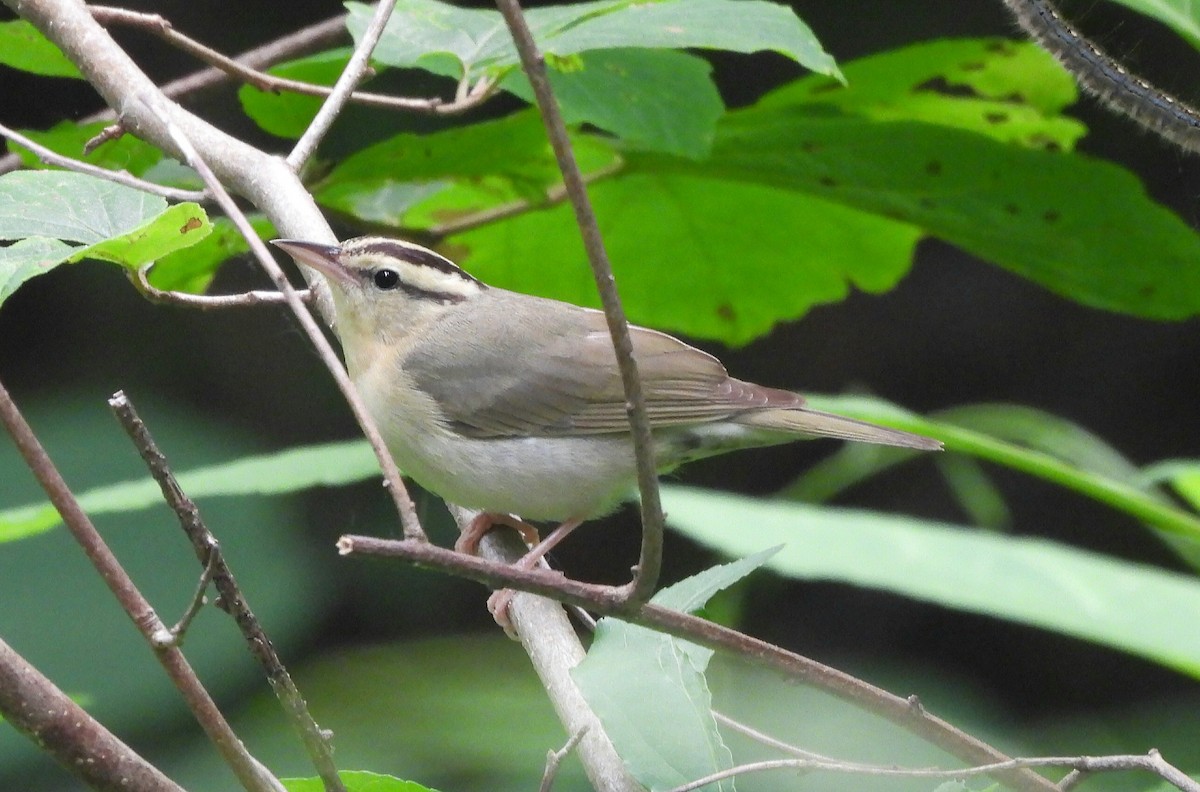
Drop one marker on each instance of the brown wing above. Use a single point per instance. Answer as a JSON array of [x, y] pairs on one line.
[[551, 371]]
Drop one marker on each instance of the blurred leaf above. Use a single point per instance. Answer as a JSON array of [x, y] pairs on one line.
[[657, 100], [1043, 431], [1130, 497], [1182, 16], [1135, 608], [423, 30], [288, 114], [1011, 91], [356, 781], [329, 464], [974, 491], [851, 464], [630, 669], [125, 153], [191, 269], [22, 46], [1182, 474]]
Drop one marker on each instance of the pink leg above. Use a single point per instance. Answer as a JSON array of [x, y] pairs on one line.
[[498, 602], [469, 539]]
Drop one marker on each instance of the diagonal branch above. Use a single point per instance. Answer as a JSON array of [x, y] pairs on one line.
[[38, 709], [252, 775], [645, 579]]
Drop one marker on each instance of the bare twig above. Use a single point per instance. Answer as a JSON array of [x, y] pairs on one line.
[[208, 552], [38, 709], [250, 773], [555, 758], [404, 504], [1150, 762], [645, 578], [466, 97], [766, 739], [606, 600], [347, 81], [50, 157], [199, 599], [207, 301], [1106, 79]]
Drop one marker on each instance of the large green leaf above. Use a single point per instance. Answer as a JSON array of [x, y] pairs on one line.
[[356, 781], [636, 679], [1135, 608], [22, 46], [191, 269], [657, 100], [479, 42], [117, 224], [1082, 228]]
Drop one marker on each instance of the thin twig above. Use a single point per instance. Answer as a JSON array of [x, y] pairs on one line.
[[50, 157], [645, 578], [606, 600], [199, 599], [1151, 762], [466, 97], [208, 551], [555, 758], [766, 739], [34, 706], [207, 301], [347, 81], [251, 774], [404, 504]]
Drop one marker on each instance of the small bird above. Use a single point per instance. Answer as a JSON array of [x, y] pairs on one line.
[[513, 405]]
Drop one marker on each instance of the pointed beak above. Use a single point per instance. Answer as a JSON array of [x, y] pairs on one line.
[[324, 258]]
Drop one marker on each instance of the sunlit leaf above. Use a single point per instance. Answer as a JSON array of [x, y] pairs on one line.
[[356, 781], [22, 46]]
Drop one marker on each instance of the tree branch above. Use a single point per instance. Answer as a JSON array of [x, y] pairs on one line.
[[645, 578], [43, 713], [252, 775]]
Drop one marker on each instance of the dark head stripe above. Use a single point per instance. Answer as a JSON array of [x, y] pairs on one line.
[[413, 255]]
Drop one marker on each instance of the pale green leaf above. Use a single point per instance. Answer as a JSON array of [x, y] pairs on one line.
[[1139, 609], [28, 258], [330, 465], [73, 207], [636, 679]]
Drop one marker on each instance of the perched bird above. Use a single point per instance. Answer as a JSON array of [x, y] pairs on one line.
[[513, 405]]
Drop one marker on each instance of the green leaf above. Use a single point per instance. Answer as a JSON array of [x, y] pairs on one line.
[[975, 491], [22, 46], [722, 259], [1182, 474], [70, 206], [1130, 497], [191, 269], [426, 179], [330, 464], [1010, 91], [126, 153], [28, 258], [636, 679], [288, 114], [428, 34], [1182, 16], [658, 100], [356, 781], [1069, 223], [1135, 608]]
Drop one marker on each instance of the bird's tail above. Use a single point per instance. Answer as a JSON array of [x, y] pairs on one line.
[[814, 423]]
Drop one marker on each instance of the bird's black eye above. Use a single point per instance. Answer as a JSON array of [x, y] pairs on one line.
[[386, 279]]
